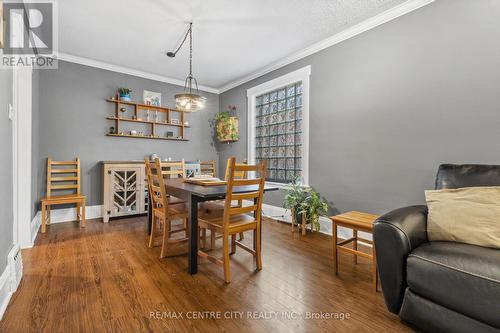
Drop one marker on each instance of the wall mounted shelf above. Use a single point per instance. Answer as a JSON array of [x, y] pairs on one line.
[[145, 121], [147, 137], [137, 108]]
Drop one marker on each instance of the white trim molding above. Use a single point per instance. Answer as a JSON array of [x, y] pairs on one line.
[[10, 278], [128, 71], [302, 75], [63, 215], [21, 146], [368, 24], [5, 291]]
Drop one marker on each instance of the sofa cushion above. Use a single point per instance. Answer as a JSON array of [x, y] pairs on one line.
[[467, 215], [462, 277]]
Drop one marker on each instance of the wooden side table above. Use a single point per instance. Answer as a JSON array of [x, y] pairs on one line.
[[356, 221]]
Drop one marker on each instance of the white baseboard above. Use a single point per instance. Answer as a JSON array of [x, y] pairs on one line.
[[69, 214], [35, 226], [285, 215], [10, 278], [5, 292], [62, 215]]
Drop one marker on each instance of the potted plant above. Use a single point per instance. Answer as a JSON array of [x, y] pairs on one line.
[[305, 204], [227, 125], [125, 94]]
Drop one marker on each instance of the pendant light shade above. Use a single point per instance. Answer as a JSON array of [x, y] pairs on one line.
[[190, 100]]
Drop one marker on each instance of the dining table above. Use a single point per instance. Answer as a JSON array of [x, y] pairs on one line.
[[194, 194]]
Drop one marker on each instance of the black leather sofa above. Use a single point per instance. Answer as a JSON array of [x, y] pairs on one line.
[[439, 286]]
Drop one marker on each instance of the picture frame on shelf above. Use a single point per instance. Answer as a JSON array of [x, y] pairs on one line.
[[151, 98], [175, 121]]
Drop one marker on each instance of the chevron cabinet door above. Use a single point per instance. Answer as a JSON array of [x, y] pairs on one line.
[[124, 191]]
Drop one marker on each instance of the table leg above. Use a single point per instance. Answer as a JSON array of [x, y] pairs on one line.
[[355, 245], [335, 256], [193, 235], [374, 269]]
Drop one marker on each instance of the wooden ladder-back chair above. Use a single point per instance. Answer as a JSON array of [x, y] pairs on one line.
[[167, 208], [163, 211], [63, 176], [208, 168], [236, 220], [237, 175]]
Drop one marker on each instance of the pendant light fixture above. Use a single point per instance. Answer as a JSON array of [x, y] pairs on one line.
[[190, 100]]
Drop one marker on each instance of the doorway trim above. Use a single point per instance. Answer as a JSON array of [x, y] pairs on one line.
[[21, 141]]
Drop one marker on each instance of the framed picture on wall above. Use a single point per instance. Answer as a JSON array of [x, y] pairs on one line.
[[151, 98]]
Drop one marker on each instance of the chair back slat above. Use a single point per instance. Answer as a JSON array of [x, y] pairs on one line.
[[257, 195], [208, 168], [246, 182], [245, 196], [66, 172], [237, 174], [242, 210], [156, 185], [173, 169]]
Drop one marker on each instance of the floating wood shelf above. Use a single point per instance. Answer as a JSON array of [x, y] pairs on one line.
[[142, 106], [147, 137], [145, 121], [138, 107]]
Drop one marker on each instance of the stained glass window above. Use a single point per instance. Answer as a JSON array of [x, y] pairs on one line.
[[279, 132]]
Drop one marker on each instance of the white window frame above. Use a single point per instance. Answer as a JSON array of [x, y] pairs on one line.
[[302, 75]]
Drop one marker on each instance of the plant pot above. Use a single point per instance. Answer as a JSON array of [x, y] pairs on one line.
[[227, 129], [125, 98], [298, 217]]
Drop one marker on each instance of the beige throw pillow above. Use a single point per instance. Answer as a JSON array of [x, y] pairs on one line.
[[467, 215]]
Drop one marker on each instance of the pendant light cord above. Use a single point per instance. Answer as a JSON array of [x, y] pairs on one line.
[[190, 78], [190, 54]]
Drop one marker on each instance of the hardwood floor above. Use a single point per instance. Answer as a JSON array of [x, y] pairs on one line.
[[104, 278]]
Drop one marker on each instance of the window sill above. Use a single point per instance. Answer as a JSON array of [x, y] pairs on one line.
[[281, 185]]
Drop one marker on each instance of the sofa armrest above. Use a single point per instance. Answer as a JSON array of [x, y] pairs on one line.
[[395, 235]]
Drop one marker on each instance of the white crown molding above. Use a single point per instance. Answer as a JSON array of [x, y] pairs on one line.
[[126, 70], [350, 32]]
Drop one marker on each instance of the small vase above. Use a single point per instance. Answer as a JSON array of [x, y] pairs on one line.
[[125, 98]]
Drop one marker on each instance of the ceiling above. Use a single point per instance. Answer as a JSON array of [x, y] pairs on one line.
[[232, 38]]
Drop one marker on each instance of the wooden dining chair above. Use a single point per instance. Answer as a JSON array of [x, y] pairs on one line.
[[237, 175], [62, 177], [163, 211], [236, 219], [239, 203], [166, 209], [208, 168]]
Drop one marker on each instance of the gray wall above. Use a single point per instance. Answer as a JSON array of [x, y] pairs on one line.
[[388, 106], [6, 176], [72, 123]]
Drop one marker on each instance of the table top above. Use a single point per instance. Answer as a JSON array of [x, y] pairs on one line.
[[355, 220], [178, 184]]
